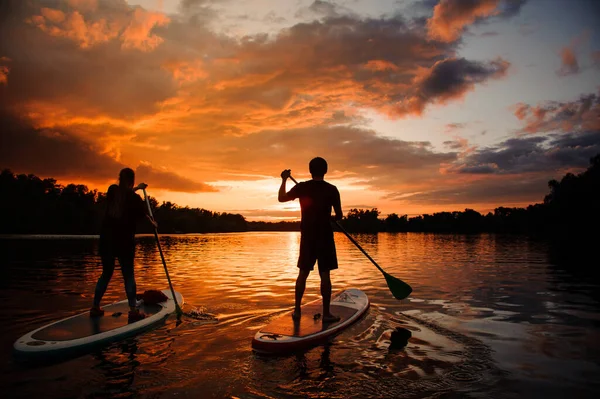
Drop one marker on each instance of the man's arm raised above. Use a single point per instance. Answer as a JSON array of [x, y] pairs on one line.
[[283, 197]]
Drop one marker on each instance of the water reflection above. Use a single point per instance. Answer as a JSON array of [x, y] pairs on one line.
[[489, 316], [117, 365]]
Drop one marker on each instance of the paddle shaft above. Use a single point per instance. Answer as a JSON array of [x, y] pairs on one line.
[[352, 239], [162, 257]]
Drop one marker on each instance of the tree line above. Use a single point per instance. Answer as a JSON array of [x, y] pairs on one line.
[[30, 205]]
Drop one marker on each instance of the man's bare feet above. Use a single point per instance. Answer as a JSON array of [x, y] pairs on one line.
[[329, 318]]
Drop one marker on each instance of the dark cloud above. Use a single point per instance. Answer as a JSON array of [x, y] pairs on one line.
[[533, 154], [580, 115], [452, 78], [454, 144]]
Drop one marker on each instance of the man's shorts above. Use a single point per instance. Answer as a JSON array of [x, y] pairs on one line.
[[322, 251]]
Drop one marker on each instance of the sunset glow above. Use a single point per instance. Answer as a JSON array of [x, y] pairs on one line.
[[418, 106]]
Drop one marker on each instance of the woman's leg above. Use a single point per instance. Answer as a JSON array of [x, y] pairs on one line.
[[108, 267], [126, 262]]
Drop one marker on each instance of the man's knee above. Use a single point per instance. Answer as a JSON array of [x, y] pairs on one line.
[[325, 276], [303, 274]]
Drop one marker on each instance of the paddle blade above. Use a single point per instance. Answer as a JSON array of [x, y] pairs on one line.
[[399, 288]]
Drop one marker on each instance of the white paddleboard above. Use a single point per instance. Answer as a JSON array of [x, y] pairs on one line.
[[81, 331], [284, 334]]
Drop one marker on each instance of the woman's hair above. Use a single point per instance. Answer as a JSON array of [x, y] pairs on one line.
[[126, 177], [117, 196]]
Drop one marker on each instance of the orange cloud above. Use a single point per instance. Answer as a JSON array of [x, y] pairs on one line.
[[579, 115], [569, 62], [451, 17], [132, 27], [568, 56], [138, 34], [73, 26]]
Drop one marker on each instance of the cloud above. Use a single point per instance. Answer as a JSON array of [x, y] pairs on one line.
[[496, 191], [169, 180], [88, 25], [533, 154], [450, 79], [514, 172], [450, 18], [66, 81], [574, 139], [57, 153], [578, 115], [51, 153], [349, 151], [454, 144], [569, 66], [568, 56]]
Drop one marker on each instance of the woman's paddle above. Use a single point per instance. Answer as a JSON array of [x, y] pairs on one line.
[[398, 288], [177, 308]]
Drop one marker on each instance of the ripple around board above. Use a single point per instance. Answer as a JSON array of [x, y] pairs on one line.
[[380, 372]]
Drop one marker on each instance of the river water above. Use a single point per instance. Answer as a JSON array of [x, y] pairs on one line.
[[490, 316]]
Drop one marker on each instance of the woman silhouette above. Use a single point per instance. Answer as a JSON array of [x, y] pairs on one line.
[[117, 239]]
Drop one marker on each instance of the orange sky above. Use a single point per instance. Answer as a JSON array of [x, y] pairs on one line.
[[412, 107]]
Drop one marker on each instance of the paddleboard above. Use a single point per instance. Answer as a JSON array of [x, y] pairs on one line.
[[284, 334], [82, 332]]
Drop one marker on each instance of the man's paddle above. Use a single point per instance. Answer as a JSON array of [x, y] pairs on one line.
[[177, 308], [399, 288]]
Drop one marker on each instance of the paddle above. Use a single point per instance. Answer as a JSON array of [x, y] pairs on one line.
[[177, 308], [398, 288]]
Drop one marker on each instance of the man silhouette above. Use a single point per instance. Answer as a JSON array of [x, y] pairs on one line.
[[317, 197]]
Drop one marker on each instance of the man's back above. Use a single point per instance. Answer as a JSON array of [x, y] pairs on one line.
[[317, 197]]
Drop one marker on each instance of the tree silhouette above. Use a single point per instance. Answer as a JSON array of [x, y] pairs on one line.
[[28, 204]]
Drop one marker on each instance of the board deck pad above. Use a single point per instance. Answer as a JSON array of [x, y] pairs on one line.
[[307, 325], [85, 326], [284, 334]]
